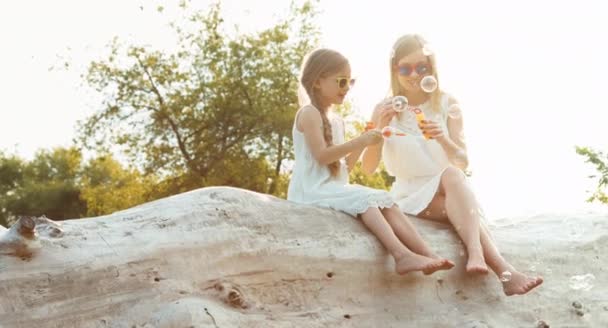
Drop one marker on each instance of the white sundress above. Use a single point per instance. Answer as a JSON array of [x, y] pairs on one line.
[[416, 163], [311, 183]]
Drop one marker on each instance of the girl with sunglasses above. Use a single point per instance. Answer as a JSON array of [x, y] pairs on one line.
[[428, 164], [323, 159]]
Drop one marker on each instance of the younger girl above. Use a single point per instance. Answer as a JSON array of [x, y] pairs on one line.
[[323, 159], [428, 163]]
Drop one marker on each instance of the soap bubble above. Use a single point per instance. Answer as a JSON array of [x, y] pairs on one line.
[[506, 276], [582, 282], [454, 111], [400, 103], [427, 50], [428, 83]]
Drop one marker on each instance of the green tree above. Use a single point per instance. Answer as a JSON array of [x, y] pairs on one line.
[[11, 177], [216, 112], [600, 160], [47, 185], [106, 186], [59, 185]]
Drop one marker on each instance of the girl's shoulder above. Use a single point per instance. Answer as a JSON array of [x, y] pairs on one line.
[[306, 115], [448, 99], [308, 111]]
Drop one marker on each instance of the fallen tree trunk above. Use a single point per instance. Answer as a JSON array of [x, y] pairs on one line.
[[225, 257]]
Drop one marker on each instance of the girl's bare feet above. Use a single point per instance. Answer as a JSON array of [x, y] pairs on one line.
[[519, 283], [448, 265], [414, 262]]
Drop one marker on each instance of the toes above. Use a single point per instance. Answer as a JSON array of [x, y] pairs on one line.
[[534, 283]]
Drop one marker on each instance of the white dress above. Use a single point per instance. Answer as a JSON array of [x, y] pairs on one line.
[[311, 183], [416, 163]]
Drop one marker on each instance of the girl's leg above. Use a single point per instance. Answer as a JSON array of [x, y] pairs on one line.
[[461, 208], [405, 259], [519, 282], [407, 233]]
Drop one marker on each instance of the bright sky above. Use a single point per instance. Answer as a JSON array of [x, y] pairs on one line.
[[530, 77]]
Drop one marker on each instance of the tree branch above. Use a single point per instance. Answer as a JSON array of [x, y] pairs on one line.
[[161, 111]]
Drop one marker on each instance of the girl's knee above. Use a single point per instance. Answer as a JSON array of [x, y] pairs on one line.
[[452, 176], [391, 210], [372, 211], [393, 213]]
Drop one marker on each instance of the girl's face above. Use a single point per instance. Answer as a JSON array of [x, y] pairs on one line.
[[410, 69], [333, 88]]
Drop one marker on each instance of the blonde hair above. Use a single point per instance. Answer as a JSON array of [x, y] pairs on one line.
[[404, 46], [318, 64]]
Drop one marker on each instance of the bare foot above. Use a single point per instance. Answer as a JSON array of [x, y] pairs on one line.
[[415, 262], [476, 264], [520, 284], [448, 265]]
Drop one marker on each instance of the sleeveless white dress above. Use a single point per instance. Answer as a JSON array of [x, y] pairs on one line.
[[311, 183], [416, 163]]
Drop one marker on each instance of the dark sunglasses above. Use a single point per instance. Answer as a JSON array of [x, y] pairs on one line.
[[343, 82], [422, 68]]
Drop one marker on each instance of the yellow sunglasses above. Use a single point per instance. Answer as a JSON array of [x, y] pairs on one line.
[[343, 82]]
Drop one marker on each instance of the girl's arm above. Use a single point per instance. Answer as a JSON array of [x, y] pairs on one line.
[[311, 124], [383, 114], [455, 146], [352, 159]]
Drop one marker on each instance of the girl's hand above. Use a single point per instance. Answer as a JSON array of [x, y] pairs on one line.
[[432, 130], [385, 113], [370, 137]]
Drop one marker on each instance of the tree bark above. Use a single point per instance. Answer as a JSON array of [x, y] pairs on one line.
[[226, 257]]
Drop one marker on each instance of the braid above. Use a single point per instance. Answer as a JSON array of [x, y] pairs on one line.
[[327, 135]]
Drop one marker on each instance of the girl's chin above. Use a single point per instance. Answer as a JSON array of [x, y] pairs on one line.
[[412, 89]]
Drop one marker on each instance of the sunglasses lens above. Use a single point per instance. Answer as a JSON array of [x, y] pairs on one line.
[[422, 69], [342, 83], [405, 70], [352, 83]]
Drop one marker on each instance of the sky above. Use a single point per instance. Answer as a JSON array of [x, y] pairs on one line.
[[530, 77]]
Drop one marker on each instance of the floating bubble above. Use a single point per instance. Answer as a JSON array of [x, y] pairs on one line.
[[400, 103], [506, 276], [582, 282], [428, 83], [427, 50], [389, 131], [454, 111]]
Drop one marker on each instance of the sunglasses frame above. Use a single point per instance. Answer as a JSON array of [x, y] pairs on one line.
[[348, 82], [414, 67]]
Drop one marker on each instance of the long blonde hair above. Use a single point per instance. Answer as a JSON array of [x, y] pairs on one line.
[[318, 64], [404, 46]]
